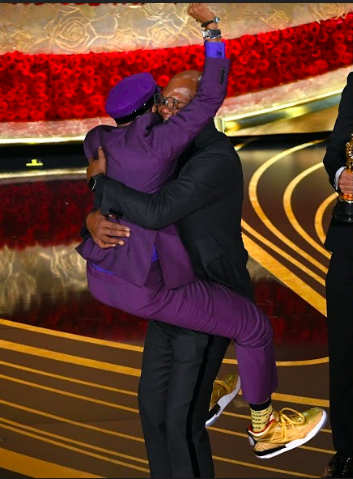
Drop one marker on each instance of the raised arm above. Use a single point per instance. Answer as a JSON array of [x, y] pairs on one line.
[[167, 140]]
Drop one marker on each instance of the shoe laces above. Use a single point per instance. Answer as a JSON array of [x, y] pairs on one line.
[[295, 419], [227, 382], [219, 389]]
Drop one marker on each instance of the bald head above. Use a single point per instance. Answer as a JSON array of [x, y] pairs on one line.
[[182, 87], [186, 82]]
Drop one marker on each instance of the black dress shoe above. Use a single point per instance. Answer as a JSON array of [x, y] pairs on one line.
[[341, 465]]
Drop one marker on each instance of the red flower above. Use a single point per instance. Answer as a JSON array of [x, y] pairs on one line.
[[88, 88], [162, 80], [3, 107], [338, 37], [316, 52], [64, 112], [322, 65], [287, 48], [267, 82], [42, 97], [347, 58], [289, 33], [11, 115], [248, 40], [97, 100], [244, 59], [311, 70], [114, 80], [322, 36], [239, 70], [65, 74], [89, 71], [263, 65], [340, 49], [264, 37], [21, 99], [340, 26], [313, 28], [37, 115], [79, 111], [242, 84]]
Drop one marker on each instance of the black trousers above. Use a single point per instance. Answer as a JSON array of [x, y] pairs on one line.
[[339, 295], [178, 370]]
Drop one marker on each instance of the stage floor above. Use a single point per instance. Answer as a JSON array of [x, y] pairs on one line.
[[70, 366]]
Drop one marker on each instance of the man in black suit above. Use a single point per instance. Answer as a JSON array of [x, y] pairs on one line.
[[179, 365], [339, 295]]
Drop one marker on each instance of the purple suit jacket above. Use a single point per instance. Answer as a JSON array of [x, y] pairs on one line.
[[143, 155]]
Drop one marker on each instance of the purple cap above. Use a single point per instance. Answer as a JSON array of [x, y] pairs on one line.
[[127, 98]]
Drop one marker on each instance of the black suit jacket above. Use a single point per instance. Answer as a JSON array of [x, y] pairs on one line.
[[340, 235], [204, 200]]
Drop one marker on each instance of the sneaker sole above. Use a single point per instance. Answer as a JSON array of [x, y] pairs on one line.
[[223, 403], [297, 443]]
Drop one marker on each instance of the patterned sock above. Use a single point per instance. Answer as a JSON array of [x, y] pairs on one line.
[[260, 414]]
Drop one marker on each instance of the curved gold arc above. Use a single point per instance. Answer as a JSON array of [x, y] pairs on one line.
[[319, 217], [278, 250], [261, 214], [285, 275], [287, 204]]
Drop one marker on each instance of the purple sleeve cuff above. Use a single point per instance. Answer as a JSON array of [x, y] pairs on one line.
[[215, 49]]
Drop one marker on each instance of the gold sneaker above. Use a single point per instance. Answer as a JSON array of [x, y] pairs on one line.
[[224, 390], [286, 431]]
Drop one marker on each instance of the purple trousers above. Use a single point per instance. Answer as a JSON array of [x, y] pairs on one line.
[[201, 306]]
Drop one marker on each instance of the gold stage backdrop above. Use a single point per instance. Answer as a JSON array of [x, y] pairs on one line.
[[71, 28]]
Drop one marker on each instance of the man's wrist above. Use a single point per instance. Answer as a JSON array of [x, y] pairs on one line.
[[208, 23]]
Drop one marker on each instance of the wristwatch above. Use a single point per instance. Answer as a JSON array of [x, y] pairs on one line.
[[214, 20], [92, 183]]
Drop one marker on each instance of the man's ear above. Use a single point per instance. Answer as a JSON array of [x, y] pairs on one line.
[[154, 109]]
